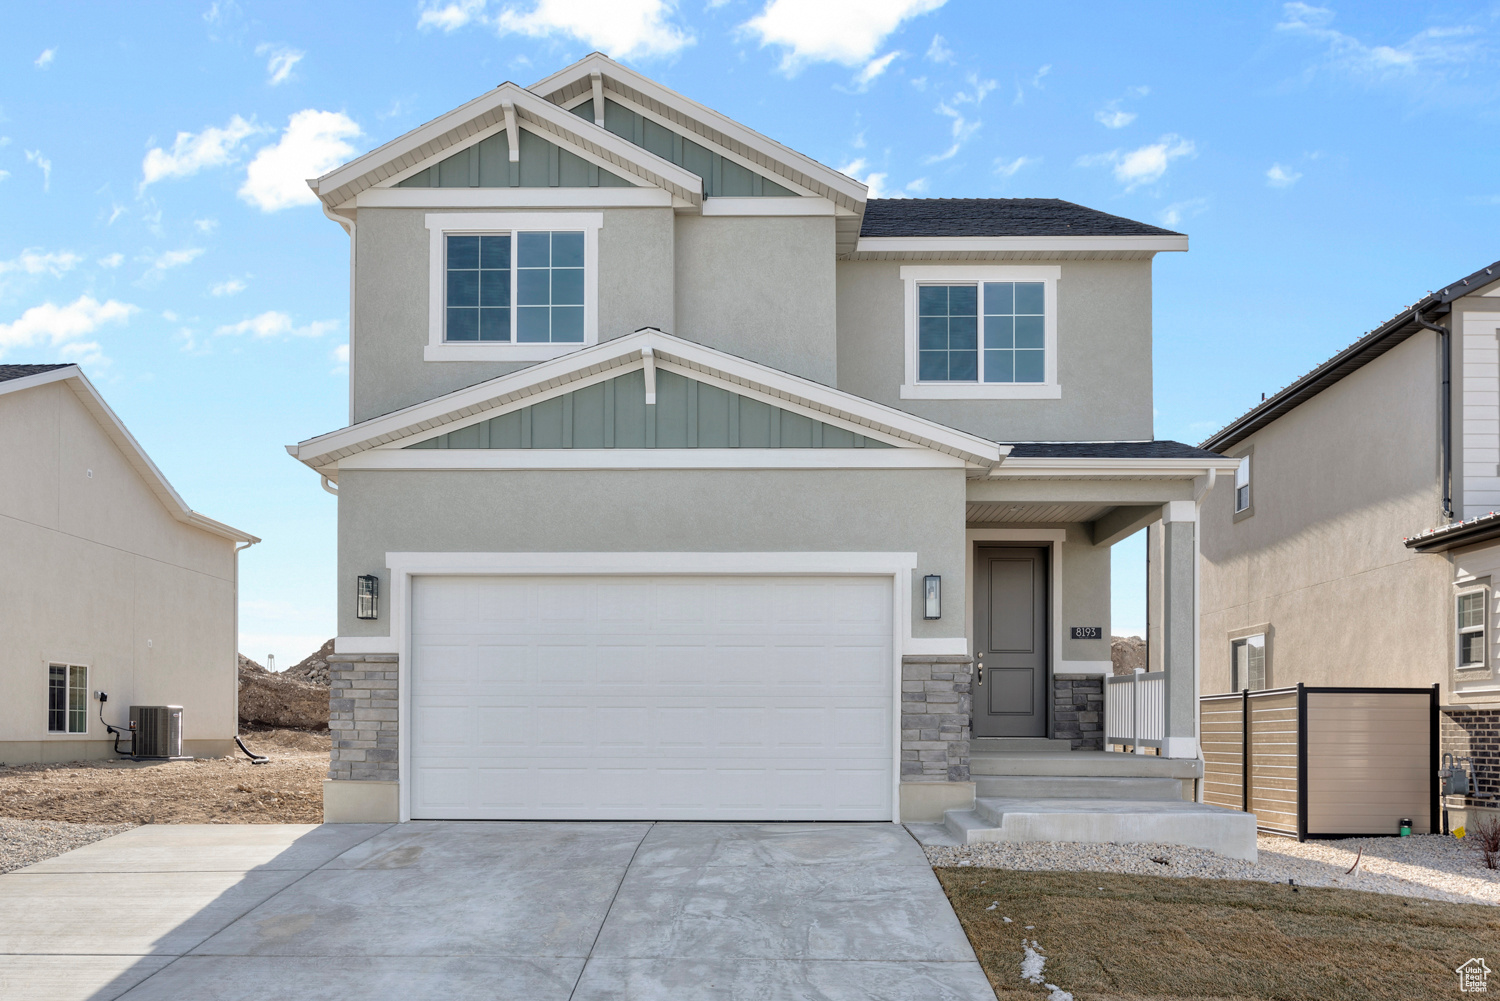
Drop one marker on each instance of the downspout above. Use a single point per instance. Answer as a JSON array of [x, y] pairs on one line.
[[1445, 337], [348, 226], [237, 550]]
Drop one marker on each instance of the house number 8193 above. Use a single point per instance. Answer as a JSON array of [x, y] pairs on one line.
[[1087, 632]]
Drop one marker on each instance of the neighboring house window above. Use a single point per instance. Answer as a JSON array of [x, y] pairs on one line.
[[1242, 486], [67, 698], [1472, 626], [1249, 658], [984, 332], [512, 286]]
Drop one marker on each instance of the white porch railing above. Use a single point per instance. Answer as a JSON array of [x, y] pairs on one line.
[[1135, 710]]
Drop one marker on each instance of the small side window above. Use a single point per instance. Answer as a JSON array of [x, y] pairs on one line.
[[1248, 655], [1472, 626], [1242, 486], [67, 698]]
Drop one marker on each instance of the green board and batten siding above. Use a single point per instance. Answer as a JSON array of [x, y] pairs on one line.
[[687, 414], [486, 164]]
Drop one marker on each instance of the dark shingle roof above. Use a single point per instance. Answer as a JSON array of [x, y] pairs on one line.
[[1356, 356], [995, 217], [9, 372], [1108, 450]]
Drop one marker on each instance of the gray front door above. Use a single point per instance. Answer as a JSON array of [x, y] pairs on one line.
[[1010, 642]]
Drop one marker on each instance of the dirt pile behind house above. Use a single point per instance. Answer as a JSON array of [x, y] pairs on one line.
[[1127, 653], [314, 667], [275, 700]]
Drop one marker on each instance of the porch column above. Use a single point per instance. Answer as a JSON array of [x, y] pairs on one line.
[[1179, 626]]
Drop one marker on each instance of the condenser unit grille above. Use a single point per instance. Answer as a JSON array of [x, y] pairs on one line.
[[158, 731]]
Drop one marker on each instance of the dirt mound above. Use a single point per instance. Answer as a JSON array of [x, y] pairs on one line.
[[1127, 653], [246, 664], [314, 667], [276, 700]]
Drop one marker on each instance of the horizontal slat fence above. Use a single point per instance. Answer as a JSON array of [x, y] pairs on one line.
[[1222, 733], [1273, 760]]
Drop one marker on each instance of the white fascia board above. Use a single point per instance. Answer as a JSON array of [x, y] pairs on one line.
[[731, 206], [1176, 469], [541, 111], [972, 244], [654, 563], [134, 454], [508, 198], [650, 458], [612, 357], [713, 120]]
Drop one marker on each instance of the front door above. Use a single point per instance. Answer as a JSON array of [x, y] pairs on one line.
[[1010, 642]]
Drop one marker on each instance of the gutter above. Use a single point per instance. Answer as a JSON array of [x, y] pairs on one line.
[[1445, 336]]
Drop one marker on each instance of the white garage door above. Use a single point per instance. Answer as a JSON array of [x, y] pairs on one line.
[[670, 698]]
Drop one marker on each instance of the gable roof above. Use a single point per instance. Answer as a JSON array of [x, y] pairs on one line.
[[577, 80], [615, 357], [995, 217], [1353, 358], [18, 378], [470, 122]]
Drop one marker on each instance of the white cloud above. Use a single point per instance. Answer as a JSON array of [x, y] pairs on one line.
[[283, 59], [1430, 47], [274, 323], [112, 261], [873, 69], [45, 59], [175, 258], [313, 144], [918, 187], [4, 174], [1111, 117], [341, 354], [213, 147], [63, 327], [839, 31], [36, 262], [1281, 177], [1174, 214], [231, 287], [620, 28], [1008, 168], [1035, 83], [938, 51], [859, 170], [43, 164], [206, 225], [1144, 165]]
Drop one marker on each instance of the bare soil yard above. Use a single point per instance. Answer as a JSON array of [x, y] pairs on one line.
[[286, 790], [1143, 938]]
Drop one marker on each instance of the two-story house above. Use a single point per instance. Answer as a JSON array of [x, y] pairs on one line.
[[685, 481], [1360, 544]]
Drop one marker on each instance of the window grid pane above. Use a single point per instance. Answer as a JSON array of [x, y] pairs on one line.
[[948, 333], [78, 699], [1015, 332], [57, 698], [549, 288], [478, 288]]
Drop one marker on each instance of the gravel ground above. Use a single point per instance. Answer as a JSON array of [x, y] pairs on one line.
[[1430, 866], [23, 842]]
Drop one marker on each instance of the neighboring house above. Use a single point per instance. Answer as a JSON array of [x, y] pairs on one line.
[[684, 480], [1359, 547], [108, 581]]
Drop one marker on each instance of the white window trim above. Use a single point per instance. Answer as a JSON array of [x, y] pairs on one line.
[[67, 711], [1265, 667], [1243, 467], [1484, 629], [1047, 389], [441, 224]]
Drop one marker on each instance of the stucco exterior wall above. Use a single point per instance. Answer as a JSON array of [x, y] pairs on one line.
[[1337, 485], [1103, 348], [391, 301], [762, 288], [654, 510], [95, 571]]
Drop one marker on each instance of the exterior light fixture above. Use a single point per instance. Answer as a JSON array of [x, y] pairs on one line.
[[367, 597], [932, 597]]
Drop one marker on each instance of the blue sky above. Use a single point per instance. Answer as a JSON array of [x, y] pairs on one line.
[[1330, 163]]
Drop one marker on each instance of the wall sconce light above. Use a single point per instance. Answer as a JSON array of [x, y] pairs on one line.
[[367, 597], [932, 596]]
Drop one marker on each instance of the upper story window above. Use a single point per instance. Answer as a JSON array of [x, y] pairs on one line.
[[981, 332], [512, 286], [1471, 628], [1249, 659], [1244, 498]]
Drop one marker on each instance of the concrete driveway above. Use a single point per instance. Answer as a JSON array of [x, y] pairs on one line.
[[533, 911]]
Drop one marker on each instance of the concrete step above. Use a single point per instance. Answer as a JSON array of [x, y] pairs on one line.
[[1086, 764], [1133, 787], [1105, 821]]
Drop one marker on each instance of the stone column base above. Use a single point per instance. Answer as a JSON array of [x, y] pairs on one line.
[[926, 801], [368, 802]]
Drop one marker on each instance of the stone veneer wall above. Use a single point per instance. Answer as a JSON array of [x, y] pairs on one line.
[[362, 715], [1474, 733], [1078, 710], [936, 708]]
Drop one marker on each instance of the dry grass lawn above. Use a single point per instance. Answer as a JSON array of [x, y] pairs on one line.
[[286, 790], [1148, 938]]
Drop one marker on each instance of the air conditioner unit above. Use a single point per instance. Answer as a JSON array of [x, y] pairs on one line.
[[158, 732]]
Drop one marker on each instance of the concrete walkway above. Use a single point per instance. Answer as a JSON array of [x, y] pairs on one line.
[[533, 911]]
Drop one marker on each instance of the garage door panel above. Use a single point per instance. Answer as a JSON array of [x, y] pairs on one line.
[[747, 698]]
